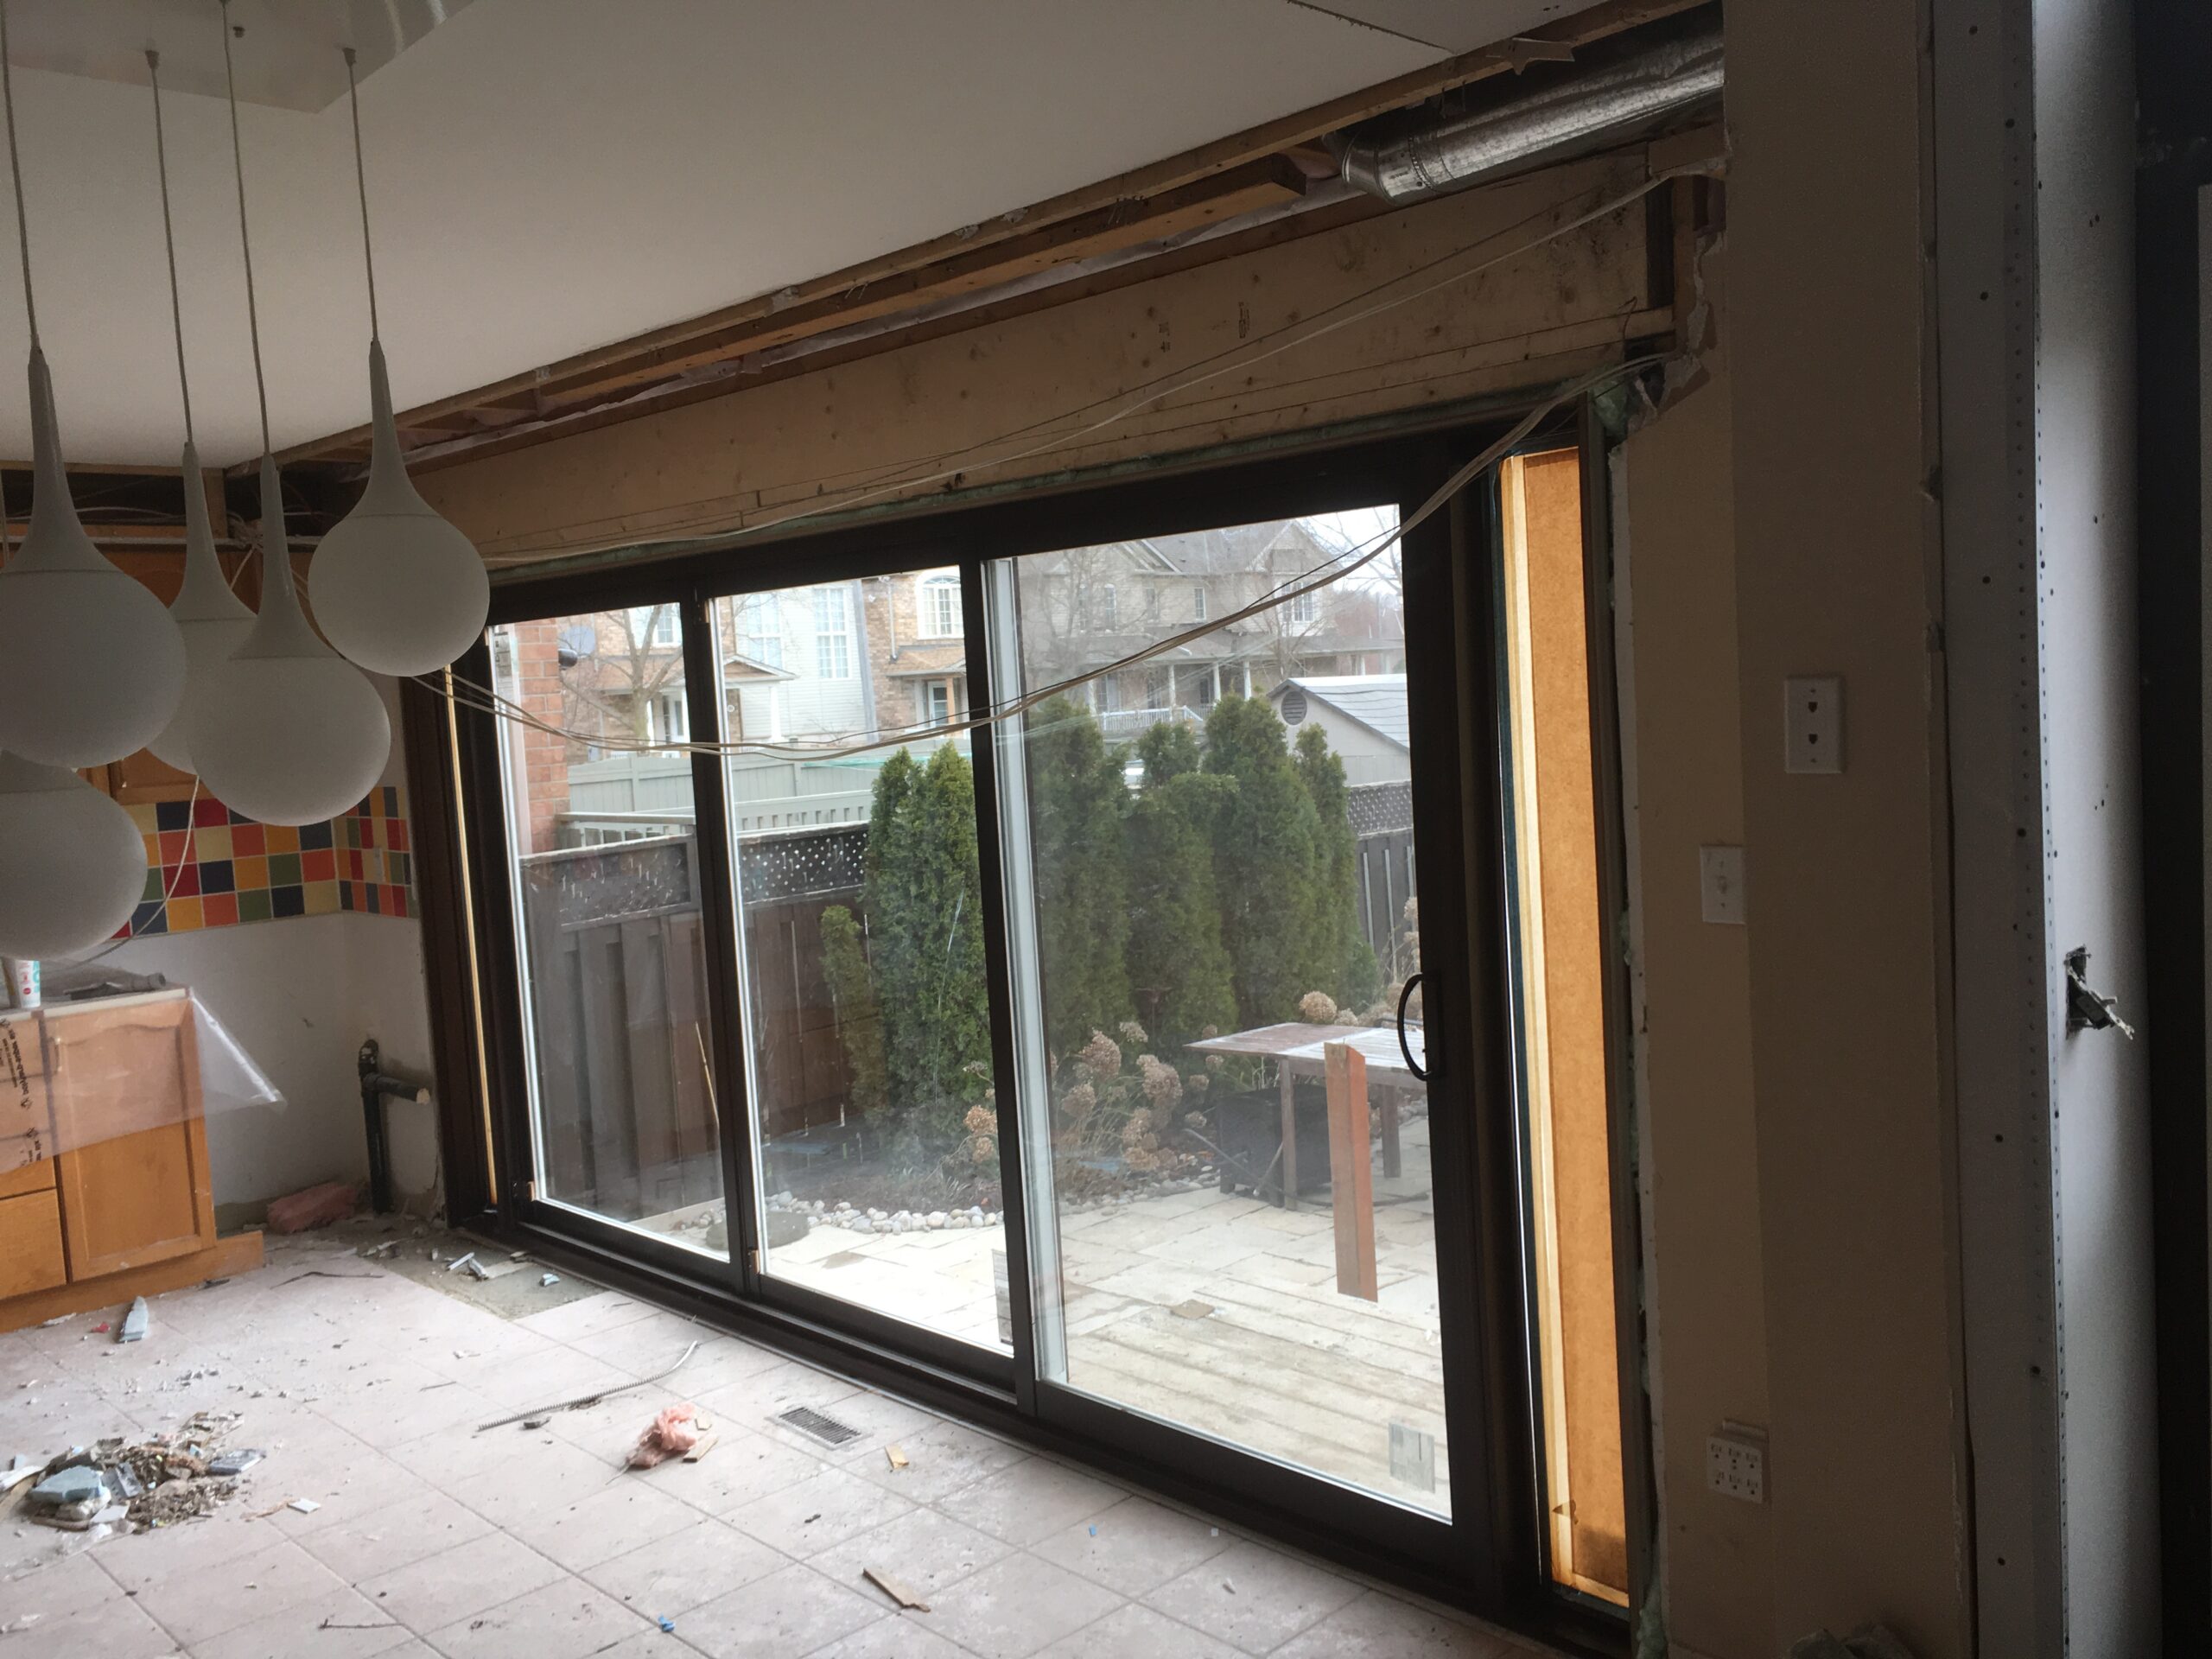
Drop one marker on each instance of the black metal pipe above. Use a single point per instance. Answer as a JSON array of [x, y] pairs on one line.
[[376, 1084]]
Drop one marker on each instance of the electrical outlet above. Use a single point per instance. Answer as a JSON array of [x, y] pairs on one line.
[[1735, 1464], [1812, 725]]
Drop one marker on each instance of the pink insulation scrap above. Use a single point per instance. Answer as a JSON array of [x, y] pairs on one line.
[[674, 1433], [318, 1206]]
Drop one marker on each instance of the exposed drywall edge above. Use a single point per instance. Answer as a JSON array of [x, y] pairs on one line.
[[1985, 229]]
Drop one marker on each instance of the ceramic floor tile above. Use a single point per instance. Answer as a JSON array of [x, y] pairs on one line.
[[564, 1619], [817, 1514], [926, 1551], [434, 1592], [427, 1523], [1380, 1626], [1252, 1597], [75, 1584], [609, 1523], [941, 1460], [898, 1638], [789, 1613], [1134, 1547], [1031, 1499], [1011, 1609], [686, 1569], [222, 1595], [340, 1625], [741, 1469], [113, 1630], [587, 1315], [1131, 1630]]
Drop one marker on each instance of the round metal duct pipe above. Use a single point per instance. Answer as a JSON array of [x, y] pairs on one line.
[[1539, 126]]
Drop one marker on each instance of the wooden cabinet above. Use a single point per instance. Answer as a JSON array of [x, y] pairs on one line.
[[121, 1204]]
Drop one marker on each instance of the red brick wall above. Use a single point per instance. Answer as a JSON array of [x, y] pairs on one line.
[[545, 758]]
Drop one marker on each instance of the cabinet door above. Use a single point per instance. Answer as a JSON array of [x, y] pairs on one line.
[[133, 1172], [30, 1244]]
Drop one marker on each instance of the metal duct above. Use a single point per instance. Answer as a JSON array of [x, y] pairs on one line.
[[1539, 125]]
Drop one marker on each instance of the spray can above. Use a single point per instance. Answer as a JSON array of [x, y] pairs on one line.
[[23, 981]]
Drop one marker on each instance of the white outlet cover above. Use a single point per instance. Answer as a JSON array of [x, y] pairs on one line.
[[1812, 724], [1720, 885], [1735, 1467]]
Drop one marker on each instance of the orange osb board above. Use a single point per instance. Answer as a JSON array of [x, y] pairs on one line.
[[1564, 965]]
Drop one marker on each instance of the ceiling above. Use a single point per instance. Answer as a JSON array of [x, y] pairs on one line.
[[550, 175]]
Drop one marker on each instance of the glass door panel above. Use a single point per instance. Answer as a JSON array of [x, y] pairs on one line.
[[1211, 881], [604, 864], [867, 1013]]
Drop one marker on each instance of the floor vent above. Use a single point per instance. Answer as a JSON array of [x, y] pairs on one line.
[[828, 1430]]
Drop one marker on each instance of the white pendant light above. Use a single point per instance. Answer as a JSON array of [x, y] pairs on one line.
[[96, 664], [284, 730], [72, 865], [396, 588], [212, 619]]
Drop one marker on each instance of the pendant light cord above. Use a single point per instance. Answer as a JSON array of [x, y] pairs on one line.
[[361, 184], [246, 239], [16, 170], [168, 238]]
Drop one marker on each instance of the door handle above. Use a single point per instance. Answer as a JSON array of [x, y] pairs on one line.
[[1405, 1048]]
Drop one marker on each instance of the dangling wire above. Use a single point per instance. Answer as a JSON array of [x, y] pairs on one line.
[[169, 237], [361, 184], [245, 239], [15, 169]]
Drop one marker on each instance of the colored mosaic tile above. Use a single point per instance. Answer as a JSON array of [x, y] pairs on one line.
[[208, 867]]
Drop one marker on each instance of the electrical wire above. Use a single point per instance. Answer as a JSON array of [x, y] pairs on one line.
[[361, 184], [16, 171], [168, 240], [245, 237]]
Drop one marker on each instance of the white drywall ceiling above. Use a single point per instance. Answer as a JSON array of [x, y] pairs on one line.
[[548, 175]]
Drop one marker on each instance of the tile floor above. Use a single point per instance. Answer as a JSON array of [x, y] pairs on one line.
[[432, 1538]]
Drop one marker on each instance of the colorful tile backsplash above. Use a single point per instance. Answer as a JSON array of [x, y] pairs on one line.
[[208, 867]]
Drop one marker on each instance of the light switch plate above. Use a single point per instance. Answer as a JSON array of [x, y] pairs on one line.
[[1812, 724], [1720, 885]]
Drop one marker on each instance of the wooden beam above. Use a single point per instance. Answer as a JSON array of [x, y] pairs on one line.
[[647, 356]]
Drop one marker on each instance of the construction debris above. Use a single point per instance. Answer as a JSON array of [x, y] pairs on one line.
[[673, 1433], [583, 1400], [175, 1477], [315, 1206], [896, 1589], [135, 1322], [459, 1262], [231, 1465], [706, 1444], [895, 1455]]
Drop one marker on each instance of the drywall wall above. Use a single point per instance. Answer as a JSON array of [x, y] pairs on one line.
[[1706, 1318], [1837, 573], [1529, 312], [300, 993]]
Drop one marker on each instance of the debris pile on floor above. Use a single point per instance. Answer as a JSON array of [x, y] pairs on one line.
[[171, 1477], [671, 1434]]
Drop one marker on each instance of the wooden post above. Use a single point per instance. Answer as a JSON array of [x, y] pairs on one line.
[[1351, 1170], [1289, 1163]]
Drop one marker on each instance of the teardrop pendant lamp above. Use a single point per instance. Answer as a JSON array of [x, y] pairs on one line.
[[284, 730], [396, 588], [72, 865], [95, 665], [212, 619]]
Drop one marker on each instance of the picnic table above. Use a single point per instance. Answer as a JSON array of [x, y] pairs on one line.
[[1350, 1059]]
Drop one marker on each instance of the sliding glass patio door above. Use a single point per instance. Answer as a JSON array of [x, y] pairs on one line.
[[1141, 956], [1212, 888]]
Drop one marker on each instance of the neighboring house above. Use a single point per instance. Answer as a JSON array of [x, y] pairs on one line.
[[1086, 608], [1362, 715], [917, 650]]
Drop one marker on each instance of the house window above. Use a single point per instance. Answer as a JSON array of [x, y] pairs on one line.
[[1106, 605], [654, 625], [1304, 608], [940, 607], [760, 630], [1197, 604], [833, 636]]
